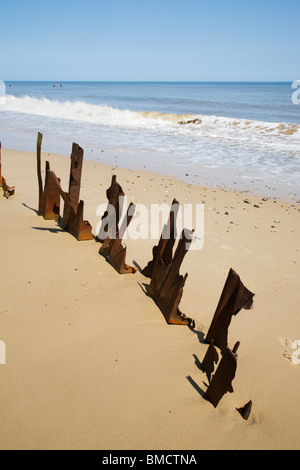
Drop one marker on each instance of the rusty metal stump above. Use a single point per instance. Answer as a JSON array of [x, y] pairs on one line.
[[164, 249], [74, 208], [111, 234], [114, 194], [166, 287], [112, 249], [211, 358], [74, 223], [245, 411], [49, 196], [7, 190], [234, 298], [221, 382]]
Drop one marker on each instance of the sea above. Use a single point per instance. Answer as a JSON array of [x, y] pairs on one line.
[[240, 135]]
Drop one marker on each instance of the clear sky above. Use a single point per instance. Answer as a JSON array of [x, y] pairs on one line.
[[145, 40]]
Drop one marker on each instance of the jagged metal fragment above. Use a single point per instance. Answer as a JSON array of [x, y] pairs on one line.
[[114, 195], [49, 196], [211, 358], [74, 223], [245, 411], [74, 184], [164, 249], [7, 190], [235, 297], [166, 287], [221, 382], [112, 249]]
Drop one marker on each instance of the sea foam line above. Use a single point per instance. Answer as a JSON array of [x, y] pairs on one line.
[[184, 124]]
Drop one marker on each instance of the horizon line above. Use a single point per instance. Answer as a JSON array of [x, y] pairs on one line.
[[149, 81]]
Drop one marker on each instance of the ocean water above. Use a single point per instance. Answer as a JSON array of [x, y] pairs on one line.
[[242, 134]]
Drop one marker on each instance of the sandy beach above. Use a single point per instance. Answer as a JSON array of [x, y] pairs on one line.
[[91, 362]]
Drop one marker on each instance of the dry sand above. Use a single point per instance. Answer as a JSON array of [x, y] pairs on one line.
[[91, 362]]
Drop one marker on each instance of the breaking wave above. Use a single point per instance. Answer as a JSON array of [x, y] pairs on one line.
[[214, 127]]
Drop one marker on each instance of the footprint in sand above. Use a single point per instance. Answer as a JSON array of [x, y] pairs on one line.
[[291, 350]]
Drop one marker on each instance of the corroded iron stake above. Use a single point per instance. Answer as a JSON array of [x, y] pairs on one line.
[[166, 287], [7, 190], [49, 197], [211, 358], [112, 248], [235, 297], [221, 382], [164, 249], [74, 223], [74, 184], [113, 194]]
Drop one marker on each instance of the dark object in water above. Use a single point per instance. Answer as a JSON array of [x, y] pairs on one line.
[[73, 208], [7, 190], [245, 411], [49, 196], [211, 358], [221, 382], [235, 297], [166, 287]]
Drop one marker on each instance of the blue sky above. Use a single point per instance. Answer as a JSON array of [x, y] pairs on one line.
[[188, 40]]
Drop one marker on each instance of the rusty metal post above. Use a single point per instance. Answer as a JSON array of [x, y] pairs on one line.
[[221, 382], [7, 190], [74, 184], [112, 249], [235, 297], [49, 197], [164, 249], [211, 358], [113, 194], [74, 223], [166, 287], [245, 411]]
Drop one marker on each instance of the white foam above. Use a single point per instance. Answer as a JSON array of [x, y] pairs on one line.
[[213, 127]]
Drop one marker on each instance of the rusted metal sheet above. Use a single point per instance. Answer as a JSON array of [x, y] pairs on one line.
[[110, 233], [74, 185], [221, 382], [245, 411], [211, 358], [166, 287], [112, 249], [164, 249], [74, 208], [49, 197], [7, 190], [235, 297], [114, 194]]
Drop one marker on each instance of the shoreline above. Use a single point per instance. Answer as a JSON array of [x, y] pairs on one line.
[[129, 159], [91, 362]]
